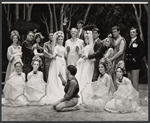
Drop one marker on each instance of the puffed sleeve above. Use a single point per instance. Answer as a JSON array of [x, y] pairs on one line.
[[9, 54], [11, 75], [23, 76], [29, 75]]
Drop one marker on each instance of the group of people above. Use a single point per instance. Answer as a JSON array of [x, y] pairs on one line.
[[82, 71]]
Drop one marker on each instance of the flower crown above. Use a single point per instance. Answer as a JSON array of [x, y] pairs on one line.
[[41, 36], [37, 58], [13, 33]]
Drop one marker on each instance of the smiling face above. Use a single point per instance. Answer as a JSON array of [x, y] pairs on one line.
[[38, 39], [107, 42], [18, 67], [35, 66], [60, 40], [101, 68], [119, 72], [15, 39], [133, 33]]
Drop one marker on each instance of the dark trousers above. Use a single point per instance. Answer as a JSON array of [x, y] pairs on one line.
[[47, 63], [96, 71], [26, 69]]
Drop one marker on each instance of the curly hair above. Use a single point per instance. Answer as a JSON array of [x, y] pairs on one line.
[[120, 65], [38, 59], [104, 64]]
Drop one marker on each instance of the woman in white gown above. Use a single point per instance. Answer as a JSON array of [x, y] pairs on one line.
[[85, 67], [126, 98], [95, 95], [14, 87], [14, 52], [35, 89], [55, 89]]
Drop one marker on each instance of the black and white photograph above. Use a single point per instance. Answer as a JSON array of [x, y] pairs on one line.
[[74, 61]]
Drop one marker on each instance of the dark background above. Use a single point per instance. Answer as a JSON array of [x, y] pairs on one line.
[[103, 16]]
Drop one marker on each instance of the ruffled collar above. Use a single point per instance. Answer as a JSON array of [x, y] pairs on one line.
[[101, 75], [120, 79]]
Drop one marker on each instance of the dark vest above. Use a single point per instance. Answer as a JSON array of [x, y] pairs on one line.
[[76, 90]]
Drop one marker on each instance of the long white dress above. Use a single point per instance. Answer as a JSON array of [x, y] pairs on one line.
[[35, 89], [14, 90], [85, 69], [126, 98], [95, 95], [55, 89], [13, 53]]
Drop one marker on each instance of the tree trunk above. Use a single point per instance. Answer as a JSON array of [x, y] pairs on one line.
[[17, 12], [86, 14], [24, 12], [138, 19], [61, 17], [8, 18], [44, 20], [51, 18], [29, 10], [141, 33], [146, 7], [55, 18]]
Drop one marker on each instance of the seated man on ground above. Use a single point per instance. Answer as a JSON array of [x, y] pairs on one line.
[[70, 99]]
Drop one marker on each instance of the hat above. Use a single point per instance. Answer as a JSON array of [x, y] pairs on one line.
[[18, 60], [38, 33], [13, 33], [37, 58], [80, 21]]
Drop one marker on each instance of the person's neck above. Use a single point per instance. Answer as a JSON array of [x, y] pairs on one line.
[[59, 44], [102, 74], [70, 77], [133, 37], [29, 41], [74, 38], [14, 44], [120, 78], [117, 37], [96, 39]]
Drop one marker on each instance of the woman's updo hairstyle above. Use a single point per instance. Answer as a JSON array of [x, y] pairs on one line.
[[36, 58]]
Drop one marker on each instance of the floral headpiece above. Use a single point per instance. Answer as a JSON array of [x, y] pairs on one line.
[[13, 33], [38, 33], [18, 60], [37, 58]]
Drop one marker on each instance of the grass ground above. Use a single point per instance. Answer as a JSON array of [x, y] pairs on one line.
[[46, 113]]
